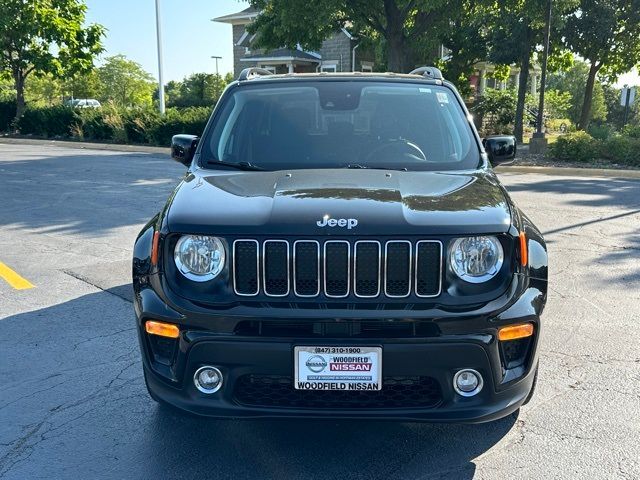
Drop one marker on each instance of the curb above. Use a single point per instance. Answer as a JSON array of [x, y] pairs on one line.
[[86, 145], [571, 171]]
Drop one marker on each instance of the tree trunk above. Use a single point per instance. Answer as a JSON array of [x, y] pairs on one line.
[[396, 54], [585, 115], [21, 105], [523, 77]]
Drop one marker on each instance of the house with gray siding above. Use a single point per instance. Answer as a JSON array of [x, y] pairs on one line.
[[339, 53]]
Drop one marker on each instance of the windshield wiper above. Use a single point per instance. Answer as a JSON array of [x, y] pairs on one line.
[[237, 165], [357, 165]]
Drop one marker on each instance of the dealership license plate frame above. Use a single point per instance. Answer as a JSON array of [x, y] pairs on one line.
[[373, 352]]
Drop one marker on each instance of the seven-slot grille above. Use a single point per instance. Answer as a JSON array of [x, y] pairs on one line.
[[337, 268]]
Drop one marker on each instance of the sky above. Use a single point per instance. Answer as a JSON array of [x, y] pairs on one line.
[[190, 38]]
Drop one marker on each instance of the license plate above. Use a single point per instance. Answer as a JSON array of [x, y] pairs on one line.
[[338, 368]]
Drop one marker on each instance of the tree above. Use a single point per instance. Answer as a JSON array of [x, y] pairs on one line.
[[573, 81], [605, 33], [466, 40], [197, 90], [125, 82], [42, 37], [85, 85], [398, 24]]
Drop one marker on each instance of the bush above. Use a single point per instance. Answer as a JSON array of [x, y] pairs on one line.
[[576, 147], [189, 120], [632, 131], [601, 132], [622, 149], [7, 112], [560, 124], [47, 121]]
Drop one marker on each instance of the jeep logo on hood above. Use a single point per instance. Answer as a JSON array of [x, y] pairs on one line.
[[337, 222]]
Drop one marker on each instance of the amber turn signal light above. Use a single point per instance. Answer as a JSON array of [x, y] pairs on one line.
[[524, 253], [154, 248], [514, 332], [162, 329]]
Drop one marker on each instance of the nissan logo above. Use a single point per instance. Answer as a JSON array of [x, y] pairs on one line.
[[316, 363]]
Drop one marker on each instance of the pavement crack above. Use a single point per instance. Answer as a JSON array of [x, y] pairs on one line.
[[88, 282]]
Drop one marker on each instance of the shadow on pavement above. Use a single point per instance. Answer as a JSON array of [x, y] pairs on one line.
[[87, 193], [73, 405]]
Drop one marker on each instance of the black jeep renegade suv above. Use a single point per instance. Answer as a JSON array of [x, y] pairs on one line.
[[340, 247]]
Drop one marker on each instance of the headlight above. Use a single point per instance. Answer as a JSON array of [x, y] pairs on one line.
[[476, 259], [199, 258]]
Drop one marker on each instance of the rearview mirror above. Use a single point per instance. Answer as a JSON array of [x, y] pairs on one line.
[[501, 149], [183, 147]]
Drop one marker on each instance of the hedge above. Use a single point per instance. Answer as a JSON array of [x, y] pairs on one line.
[[622, 148], [109, 124]]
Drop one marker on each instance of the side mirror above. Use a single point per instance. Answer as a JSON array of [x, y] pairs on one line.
[[183, 147], [501, 149]]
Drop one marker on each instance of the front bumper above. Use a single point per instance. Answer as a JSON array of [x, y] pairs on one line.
[[437, 359], [456, 342]]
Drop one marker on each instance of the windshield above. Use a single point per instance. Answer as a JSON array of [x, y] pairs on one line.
[[342, 124]]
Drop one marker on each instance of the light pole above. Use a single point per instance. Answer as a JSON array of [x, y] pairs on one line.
[[216, 58], [160, 75], [539, 142]]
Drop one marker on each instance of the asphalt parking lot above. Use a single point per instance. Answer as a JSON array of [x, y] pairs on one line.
[[72, 398]]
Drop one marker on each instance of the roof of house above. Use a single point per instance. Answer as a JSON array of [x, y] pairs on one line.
[[244, 16], [282, 54]]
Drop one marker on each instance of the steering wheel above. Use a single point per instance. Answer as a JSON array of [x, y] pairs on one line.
[[406, 148]]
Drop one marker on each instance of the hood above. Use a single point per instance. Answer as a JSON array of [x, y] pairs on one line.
[[339, 202]]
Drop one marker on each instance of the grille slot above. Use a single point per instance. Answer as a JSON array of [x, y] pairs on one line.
[[336, 268], [246, 267], [276, 268], [428, 268], [397, 280], [306, 268], [277, 391], [367, 269]]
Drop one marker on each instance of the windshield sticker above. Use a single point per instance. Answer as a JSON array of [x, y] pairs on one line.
[[425, 90], [442, 97]]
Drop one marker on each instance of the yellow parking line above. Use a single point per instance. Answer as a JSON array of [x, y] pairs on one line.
[[13, 279]]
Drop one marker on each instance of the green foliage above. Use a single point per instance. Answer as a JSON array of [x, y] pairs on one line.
[[557, 103], [46, 121], [600, 131], [189, 120], [573, 81], [605, 33], [497, 110], [197, 90], [577, 147], [560, 124], [405, 29], [622, 149], [111, 123], [7, 113], [42, 37], [125, 82]]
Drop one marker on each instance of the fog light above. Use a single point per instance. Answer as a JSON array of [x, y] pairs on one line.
[[208, 379], [467, 382]]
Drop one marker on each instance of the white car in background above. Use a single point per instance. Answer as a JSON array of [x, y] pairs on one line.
[[83, 103]]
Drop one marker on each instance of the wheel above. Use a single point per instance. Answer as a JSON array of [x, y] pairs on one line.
[[533, 385]]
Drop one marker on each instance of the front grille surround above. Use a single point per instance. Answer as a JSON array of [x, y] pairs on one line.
[[404, 268]]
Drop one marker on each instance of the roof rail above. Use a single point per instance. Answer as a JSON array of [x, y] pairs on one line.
[[249, 73], [431, 73]]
